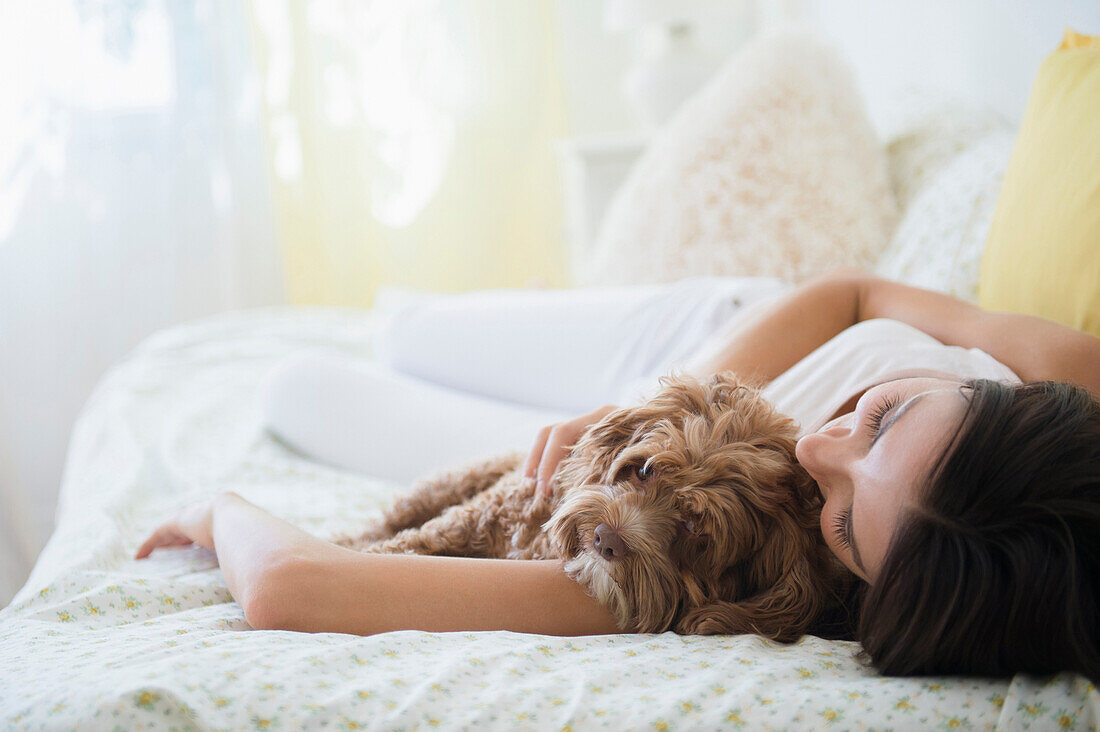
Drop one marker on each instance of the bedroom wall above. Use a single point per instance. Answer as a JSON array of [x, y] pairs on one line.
[[595, 59], [986, 51]]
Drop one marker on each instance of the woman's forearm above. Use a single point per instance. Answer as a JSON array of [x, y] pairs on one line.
[[287, 579], [341, 591], [767, 342], [1034, 348]]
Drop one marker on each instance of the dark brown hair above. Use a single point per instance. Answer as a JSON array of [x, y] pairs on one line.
[[997, 571]]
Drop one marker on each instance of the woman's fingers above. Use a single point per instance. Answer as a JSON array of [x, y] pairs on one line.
[[530, 470], [557, 447], [553, 443], [162, 536], [147, 548]]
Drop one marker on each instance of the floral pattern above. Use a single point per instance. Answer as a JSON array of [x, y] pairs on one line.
[[96, 640]]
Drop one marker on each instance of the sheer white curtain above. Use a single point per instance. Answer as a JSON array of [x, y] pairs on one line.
[[133, 195]]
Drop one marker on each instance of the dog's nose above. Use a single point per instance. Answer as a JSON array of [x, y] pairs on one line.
[[608, 543]]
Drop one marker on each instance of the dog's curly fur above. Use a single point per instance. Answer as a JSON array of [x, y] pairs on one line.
[[718, 519]]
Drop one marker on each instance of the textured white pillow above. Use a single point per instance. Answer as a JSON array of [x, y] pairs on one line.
[[772, 169], [928, 132], [947, 166]]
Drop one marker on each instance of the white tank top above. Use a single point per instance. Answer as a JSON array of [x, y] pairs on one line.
[[865, 355]]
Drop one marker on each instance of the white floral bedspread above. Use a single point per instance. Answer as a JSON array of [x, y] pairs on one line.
[[96, 640]]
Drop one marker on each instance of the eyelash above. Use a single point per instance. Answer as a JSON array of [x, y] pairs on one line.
[[840, 522], [840, 526], [879, 411]]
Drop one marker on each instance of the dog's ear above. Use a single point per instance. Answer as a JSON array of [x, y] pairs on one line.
[[782, 612], [790, 590]]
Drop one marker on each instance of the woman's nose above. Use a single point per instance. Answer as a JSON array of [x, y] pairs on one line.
[[824, 453]]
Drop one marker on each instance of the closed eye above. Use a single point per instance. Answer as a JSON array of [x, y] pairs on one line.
[[842, 527], [874, 420]]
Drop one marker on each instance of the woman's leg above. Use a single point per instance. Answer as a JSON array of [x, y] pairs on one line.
[[566, 350], [355, 415]]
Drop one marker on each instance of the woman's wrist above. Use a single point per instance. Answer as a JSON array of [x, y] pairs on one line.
[[250, 544]]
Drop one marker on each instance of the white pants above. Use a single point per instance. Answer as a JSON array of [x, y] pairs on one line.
[[461, 376]]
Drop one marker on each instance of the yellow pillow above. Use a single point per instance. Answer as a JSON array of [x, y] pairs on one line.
[[1042, 256]]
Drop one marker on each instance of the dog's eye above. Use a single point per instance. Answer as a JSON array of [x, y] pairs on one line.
[[687, 526], [643, 472]]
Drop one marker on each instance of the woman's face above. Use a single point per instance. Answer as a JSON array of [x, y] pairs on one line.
[[870, 463]]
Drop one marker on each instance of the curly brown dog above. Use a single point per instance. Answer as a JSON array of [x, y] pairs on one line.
[[688, 513]]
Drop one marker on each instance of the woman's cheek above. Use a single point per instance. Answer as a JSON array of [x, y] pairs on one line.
[[826, 527]]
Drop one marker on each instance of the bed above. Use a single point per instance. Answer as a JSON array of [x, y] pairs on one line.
[[96, 640]]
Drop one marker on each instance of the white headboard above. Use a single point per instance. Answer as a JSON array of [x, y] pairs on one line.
[[986, 51]]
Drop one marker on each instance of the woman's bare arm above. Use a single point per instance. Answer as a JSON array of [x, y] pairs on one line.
[[337, 590], [287, 579], [1035, 348], [768, 341]]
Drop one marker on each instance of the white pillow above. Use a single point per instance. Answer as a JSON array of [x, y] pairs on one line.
[[772, 169], [947, 169], [927, 132]]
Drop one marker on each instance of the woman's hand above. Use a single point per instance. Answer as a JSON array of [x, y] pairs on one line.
[[554, 442], [193, 524]]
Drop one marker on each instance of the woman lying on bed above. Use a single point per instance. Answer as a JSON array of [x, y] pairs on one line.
[[970, 507]]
